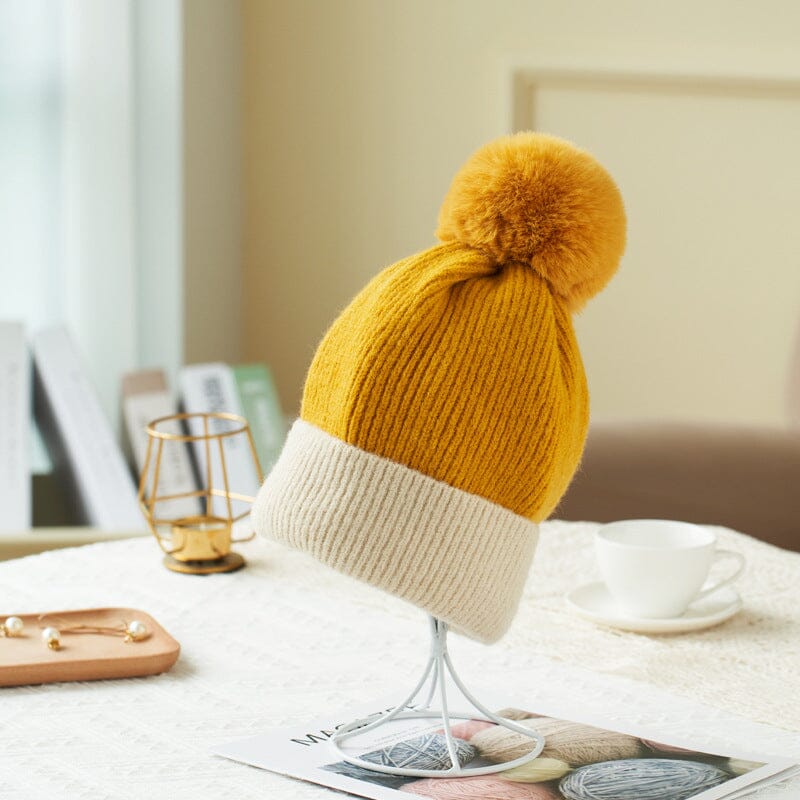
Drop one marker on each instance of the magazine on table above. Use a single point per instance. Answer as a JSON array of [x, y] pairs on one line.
[[582, 759]]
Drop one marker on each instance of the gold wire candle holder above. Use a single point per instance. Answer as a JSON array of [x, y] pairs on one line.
[[194, 527]]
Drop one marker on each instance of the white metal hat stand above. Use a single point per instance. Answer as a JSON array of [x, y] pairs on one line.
[[432, 686]]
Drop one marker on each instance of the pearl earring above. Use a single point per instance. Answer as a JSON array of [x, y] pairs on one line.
[[13, 626], [52, 638], [133, 631]]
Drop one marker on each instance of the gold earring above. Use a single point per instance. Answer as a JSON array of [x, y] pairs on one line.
[[13, 626], [133, 631]]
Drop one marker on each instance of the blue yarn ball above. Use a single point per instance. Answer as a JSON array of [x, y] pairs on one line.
[[641, 779], [423, 752]]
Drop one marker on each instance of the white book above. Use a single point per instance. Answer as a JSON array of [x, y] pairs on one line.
[[145, 398], [212, 388], [79, 436], [15, 412]]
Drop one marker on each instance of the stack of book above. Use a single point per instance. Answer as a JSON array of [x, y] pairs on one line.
[[15, 394], [98, 476], [246, 390]]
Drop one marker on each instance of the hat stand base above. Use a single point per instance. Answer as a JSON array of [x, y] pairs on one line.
[[433, 687]]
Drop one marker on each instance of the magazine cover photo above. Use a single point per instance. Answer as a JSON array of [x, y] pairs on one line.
[[579, 762]]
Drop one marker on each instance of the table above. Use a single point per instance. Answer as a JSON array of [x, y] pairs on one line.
[[287, 640]]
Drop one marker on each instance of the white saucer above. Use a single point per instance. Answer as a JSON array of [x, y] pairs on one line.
[[593, 602]]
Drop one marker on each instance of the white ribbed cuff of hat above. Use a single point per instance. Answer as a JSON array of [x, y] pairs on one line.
[[458, 556]]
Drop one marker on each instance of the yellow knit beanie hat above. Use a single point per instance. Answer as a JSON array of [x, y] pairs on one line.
[[445, 410]]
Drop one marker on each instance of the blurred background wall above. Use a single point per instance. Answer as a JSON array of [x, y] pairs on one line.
[[212, 180], [357, 113], [215, 179], [200, 180]]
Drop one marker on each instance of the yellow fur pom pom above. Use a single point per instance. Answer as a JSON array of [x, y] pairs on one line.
[[539, 200]]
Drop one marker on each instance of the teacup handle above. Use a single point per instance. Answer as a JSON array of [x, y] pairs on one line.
[[738, 557]]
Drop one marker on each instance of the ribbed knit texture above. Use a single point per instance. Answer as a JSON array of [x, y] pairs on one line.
[[445, 410], [458, 556], [460, 369]]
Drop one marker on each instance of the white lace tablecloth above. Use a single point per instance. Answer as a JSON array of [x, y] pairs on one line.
[[287, 640]]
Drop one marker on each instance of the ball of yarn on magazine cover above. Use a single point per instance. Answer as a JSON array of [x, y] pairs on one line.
[[641, 779], [538, 770], [467, 729], [565, 741], [368, 775], [422, 752], [481, 787], [517, 713]]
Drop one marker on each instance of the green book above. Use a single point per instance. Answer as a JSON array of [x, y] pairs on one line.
[[262, 409]]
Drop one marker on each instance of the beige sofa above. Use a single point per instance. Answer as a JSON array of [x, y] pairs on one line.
[[744, 478]]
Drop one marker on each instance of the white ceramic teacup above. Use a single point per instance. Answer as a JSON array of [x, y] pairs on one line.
[[655, 568]]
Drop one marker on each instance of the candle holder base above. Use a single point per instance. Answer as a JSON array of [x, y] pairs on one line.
[[228, 563]]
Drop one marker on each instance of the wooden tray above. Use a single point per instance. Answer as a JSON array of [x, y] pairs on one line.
[[84, 656]]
